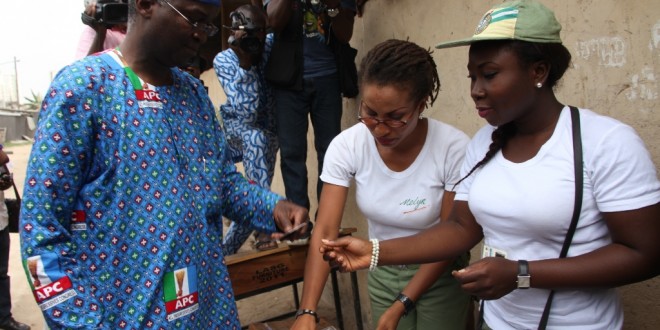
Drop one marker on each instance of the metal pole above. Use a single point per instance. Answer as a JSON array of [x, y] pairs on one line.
[[18, 100]]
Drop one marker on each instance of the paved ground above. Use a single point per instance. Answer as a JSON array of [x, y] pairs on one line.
[[25, 308]]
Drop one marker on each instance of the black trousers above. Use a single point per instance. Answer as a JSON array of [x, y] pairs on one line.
[[5, 297]]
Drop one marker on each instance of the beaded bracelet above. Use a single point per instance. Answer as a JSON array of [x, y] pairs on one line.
[[375, 250]]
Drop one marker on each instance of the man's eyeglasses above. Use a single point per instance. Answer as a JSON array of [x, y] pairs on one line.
[[372, 122], [207, 28]]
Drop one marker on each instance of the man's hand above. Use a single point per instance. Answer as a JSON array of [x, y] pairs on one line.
[[245, 60], [288, 215], [90, 10]]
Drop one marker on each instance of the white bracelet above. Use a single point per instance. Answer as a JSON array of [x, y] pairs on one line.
[[375, 250]]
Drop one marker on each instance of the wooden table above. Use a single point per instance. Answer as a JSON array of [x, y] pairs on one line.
[[255, 272]]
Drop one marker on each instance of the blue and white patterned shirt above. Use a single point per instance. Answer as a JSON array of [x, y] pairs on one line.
[[124, 194]]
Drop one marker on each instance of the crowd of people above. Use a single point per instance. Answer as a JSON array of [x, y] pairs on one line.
[[132, 173]]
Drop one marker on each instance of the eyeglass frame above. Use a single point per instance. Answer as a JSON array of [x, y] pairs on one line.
[[386, 122], [207, 28]]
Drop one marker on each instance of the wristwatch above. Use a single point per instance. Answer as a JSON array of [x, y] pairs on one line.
[[308, 311], [408, 304], [333, 12], [523, 274]]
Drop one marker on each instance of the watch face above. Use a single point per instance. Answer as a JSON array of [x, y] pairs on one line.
[[523, 282]]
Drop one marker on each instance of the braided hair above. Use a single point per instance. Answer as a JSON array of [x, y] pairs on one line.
[[404, 64], [558, 59]]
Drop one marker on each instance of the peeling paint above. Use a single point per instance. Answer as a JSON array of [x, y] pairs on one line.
[[655, 35], [610, 51], [643, 86]]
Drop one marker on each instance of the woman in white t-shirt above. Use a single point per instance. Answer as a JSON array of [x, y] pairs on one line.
[[402, 164], [518, 190]]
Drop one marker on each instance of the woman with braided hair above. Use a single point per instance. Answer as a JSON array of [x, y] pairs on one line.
[[403, 166], [523, 195]]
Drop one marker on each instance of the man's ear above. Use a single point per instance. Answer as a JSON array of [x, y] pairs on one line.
[[145, 7]]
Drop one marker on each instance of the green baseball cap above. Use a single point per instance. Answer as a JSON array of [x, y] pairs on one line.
[[515, 20]]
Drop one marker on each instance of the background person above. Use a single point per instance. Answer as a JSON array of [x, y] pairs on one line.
[[401, 163], [97, 36], [128, 181], [518, 191], [7, 321], [248, 115], [303, 27]]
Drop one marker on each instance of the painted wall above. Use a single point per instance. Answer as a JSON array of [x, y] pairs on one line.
[[616, 58]]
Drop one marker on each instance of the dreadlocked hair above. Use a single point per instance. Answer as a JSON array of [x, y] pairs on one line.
[[499, 138], [402, 63]]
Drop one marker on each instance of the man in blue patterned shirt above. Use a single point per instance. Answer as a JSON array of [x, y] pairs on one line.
[[127, 183]]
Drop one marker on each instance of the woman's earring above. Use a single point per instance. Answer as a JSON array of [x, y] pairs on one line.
[[421, 116], [539, 85]]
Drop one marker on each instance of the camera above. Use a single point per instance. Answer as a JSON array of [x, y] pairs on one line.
[[108, 13], [250, 43]]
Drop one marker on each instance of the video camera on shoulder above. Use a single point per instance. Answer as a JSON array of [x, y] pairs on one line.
[[108, 12], [250, 42]]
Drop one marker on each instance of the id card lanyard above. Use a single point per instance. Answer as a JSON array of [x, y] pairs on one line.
[[146, 94]]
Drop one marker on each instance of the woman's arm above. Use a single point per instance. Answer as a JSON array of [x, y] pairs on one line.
[[445, 240], [328, 220], [633, 256], [425, 277]]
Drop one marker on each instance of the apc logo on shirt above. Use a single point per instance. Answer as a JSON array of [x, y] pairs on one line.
[[78, 220], [49, 284], [148, 99], [180, 292]]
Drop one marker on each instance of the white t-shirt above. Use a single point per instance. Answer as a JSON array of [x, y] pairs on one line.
[[396, 204], [525, 210]]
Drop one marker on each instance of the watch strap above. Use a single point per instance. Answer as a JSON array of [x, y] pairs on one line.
[[308, 311], [523, 274], [332, 12], [408, 303]]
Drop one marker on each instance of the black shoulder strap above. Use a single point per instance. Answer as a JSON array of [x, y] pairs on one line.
[[579, 182]]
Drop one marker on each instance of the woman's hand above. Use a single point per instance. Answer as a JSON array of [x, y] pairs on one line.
[[347, 253], [304, 322], [489, 278], [390, 319]]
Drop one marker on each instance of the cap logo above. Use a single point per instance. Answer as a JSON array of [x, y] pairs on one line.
[[483, 24], [498, 23]]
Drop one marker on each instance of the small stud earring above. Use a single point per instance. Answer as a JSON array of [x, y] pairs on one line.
[[421, 116], [539, 85]]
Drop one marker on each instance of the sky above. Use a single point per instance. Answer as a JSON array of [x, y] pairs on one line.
[[43, 36]]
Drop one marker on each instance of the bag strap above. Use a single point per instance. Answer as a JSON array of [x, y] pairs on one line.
[[13, 183], [579, 182]]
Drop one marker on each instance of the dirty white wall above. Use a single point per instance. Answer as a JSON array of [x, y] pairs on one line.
[[616, 60]]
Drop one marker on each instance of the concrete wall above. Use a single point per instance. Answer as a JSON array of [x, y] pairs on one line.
[[16, 125], [616, 57]]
